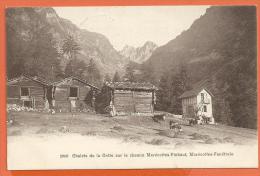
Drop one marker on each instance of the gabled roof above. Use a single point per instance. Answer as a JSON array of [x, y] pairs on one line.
[[130, 86], [74, 78], [37, 79], [194, 92], [44, 82]]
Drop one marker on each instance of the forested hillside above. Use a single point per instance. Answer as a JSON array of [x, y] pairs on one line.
[[35, 46], [217, 52]]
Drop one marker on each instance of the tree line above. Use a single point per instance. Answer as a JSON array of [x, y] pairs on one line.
[[32, 50], [171, 84]]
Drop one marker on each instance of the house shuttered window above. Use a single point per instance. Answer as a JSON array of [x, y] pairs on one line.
[[205, 108], [202, 97]]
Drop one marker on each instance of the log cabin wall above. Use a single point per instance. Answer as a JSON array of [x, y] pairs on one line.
[[63, 100], [38, 94], [130, 97], [36, 97], [13, 95], [144, 102], [124, 101], [133, 101]]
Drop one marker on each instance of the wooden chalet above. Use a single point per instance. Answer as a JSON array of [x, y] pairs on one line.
[[27, 91], [128, 97], [72, 94]]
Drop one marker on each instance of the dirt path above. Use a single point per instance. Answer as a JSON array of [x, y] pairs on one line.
[[36, 140], [124, 127]]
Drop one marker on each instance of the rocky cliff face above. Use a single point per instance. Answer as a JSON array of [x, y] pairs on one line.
[[94, 45], [140, 54]]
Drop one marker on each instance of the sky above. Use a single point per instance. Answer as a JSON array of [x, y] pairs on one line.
[[134, 25]]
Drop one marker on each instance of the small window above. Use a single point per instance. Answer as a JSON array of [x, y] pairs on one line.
[[73, 92], [205, 108], [24, 91], [202, 97]]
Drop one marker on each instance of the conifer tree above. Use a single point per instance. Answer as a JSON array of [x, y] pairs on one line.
[[171, 86], [147, 74], [70, 47], [116, 77], [76, 68], [179, 84], [93, 73], [129, 74], [163, 99], [107, 78]]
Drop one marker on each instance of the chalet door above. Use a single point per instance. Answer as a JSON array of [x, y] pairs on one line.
[[72, 104], [28, 103]]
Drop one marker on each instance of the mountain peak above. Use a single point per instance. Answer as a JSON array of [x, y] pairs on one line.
[[127, 47], [150, 43], [140, 54]]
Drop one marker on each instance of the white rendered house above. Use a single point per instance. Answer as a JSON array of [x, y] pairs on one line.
[[198, 103]]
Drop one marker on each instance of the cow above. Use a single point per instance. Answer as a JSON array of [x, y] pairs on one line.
[[193, 122], [175, 125], [159, 117]]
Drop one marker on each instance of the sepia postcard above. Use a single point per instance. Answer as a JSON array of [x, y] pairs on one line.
[[131, 87]]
